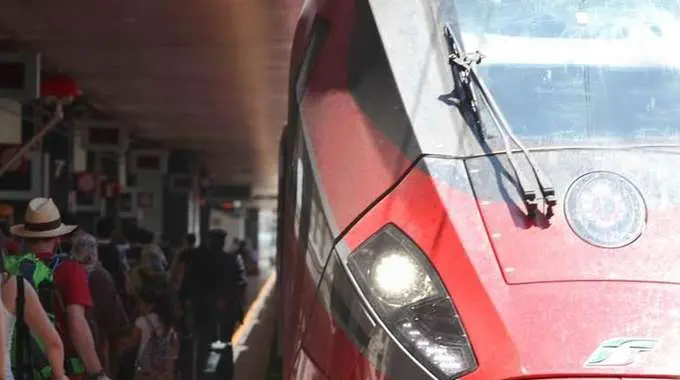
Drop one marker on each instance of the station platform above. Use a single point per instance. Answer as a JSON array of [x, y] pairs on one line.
[[254, 340]]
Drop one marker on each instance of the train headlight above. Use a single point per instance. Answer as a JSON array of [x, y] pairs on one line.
[[398, 279], [405, 291]]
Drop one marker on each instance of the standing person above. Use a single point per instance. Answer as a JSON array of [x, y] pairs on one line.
[[109, 255], [215, 285], [243, 250], [177, 274], [108, 313], [6, 324], [17, 295], [178, 266], [66, 241], [41, 233], [149, 273], [155, 337]]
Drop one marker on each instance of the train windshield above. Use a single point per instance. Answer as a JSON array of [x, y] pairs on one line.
[[589, 70]]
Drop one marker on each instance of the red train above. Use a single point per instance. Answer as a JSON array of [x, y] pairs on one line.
[[481, 189]]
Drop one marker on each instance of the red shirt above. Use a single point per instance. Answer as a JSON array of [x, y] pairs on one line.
[[12, 247], [71, 281]]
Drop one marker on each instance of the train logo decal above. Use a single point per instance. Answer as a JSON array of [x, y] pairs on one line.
[[620, 352]]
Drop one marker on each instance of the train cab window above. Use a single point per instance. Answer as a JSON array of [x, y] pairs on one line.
[[317, 36]]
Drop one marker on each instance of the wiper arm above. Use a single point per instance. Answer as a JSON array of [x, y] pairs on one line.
[[465, 76]]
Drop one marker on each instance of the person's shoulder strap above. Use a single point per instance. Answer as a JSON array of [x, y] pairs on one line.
[[21, 297], [152, 326], [22, 345], [58, 260]]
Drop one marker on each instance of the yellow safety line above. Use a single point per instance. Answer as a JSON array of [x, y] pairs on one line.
[[254, 308]]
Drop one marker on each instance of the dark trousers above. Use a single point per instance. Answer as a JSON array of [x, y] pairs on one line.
[[212, 361], [126, 365]]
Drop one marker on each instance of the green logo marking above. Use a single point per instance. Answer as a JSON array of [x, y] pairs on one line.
[[620, 352]]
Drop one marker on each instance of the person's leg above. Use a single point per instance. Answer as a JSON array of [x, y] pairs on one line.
[[226, 366], [205, 335], [126, 365], [113, 358]]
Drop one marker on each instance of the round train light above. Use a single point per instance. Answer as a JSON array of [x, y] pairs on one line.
[[605, 209]]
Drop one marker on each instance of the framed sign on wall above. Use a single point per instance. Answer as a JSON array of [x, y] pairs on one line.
[[127, 203], [87, 185], [22, 180]]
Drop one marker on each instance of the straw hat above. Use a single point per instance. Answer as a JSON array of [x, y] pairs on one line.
[[42, 220]]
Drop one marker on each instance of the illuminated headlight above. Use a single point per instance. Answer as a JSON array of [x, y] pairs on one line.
[[408, 296], [605, 209]]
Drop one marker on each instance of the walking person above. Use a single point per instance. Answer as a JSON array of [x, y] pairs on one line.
[[20, 301], [215, 287], [155, 337], [108, 314], [60, 277]]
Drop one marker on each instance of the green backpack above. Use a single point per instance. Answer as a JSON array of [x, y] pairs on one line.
[[29, 360]]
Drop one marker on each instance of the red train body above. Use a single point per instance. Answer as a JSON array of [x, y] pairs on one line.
[[414, 244]]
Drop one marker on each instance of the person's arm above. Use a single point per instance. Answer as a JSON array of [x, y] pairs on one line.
[[3, 335], [73, 284], [241, 277], [81, 336], [40, 326]]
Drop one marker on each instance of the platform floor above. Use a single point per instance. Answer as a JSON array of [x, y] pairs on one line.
[[253, 341]]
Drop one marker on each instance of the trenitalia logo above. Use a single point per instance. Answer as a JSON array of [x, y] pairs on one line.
[[619, 352]]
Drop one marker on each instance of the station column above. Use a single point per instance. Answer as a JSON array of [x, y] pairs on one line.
[[176, 197]]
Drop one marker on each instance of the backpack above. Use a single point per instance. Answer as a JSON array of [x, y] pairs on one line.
[[160, 352], [28, 352]]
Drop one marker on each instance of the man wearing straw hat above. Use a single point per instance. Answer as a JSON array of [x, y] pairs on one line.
[[41, 232]]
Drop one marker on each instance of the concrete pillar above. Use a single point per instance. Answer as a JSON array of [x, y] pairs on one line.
[[204, 219], [176, 198], [252, 223], [57, 166]]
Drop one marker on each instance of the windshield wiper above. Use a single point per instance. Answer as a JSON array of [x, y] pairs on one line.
[[465, 79]]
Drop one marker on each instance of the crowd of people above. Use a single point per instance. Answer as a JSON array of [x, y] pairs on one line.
[[116, 304]]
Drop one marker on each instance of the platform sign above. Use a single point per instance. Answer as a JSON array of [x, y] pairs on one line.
[[148, 161], [127, 205], [20, 76], [10, 122], [86, 186], [23, 182]]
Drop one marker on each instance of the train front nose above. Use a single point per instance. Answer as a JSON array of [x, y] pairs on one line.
[[596, 328], [461, 287]]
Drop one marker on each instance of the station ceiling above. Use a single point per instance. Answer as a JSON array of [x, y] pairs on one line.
[[207, 75]]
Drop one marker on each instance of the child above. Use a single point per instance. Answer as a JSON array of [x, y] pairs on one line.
[[155, 336]]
